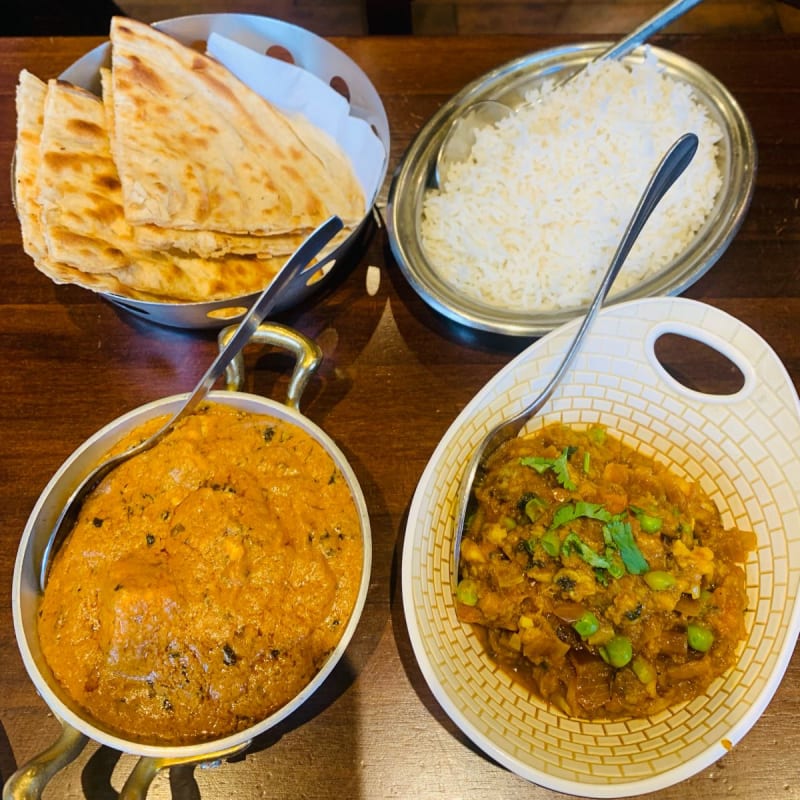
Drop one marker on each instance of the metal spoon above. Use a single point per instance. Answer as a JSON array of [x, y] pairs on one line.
[[292, 272], [671, 167], [460, 138]]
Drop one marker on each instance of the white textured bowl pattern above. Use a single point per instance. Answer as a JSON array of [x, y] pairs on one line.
[[744, 449]]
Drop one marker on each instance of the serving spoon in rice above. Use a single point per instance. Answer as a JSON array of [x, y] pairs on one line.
[[460, 137], [670, 168]]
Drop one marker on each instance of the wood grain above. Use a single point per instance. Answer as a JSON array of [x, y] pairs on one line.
[[394, 377]]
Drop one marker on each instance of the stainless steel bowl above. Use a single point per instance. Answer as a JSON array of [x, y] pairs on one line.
[[312, 53], [28, 782], [508, 83]]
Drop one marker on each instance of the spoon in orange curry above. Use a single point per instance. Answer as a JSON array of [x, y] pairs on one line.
[[292, 272], [668, 171]]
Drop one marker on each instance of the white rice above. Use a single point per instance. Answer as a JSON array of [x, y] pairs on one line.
[[532, 219]]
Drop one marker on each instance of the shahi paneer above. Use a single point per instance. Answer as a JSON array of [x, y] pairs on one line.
[[600, 578], [206, 581]]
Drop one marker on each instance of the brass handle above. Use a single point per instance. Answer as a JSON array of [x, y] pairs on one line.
[[146, 769], [307, 353], [29, 781]]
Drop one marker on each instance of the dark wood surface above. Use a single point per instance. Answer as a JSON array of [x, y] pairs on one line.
[[395, 375]]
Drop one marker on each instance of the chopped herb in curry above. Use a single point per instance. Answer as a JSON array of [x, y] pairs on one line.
[[598, 577]]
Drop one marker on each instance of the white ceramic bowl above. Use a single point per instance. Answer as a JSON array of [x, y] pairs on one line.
[[744, 448]]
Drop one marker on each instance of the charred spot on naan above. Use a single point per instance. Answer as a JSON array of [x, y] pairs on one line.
[[81, 246], [109, 183], [80, 127]]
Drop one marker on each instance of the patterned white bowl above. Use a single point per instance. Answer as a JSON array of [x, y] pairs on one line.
[[744, 448]]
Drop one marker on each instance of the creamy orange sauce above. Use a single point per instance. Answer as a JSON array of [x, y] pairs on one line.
[[206, 580]]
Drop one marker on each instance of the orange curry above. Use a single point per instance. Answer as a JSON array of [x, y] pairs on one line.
[[206, 581]]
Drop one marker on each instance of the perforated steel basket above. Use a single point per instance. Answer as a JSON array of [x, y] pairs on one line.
[[308, 51]]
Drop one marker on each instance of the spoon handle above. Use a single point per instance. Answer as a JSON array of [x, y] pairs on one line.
[[663, 18], [669, 170], [290, 271]]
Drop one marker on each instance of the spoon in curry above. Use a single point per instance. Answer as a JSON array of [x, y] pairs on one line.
[[668, 171], [459, 139], [293, 272]]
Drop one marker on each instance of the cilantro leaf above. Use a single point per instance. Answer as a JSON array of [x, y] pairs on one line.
[[616, 569], [574, 544], [558, 465], [539, 463], [621, 535], [562, 470], [571, 511]]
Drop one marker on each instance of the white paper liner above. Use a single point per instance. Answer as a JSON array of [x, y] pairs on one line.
[[296, 91]]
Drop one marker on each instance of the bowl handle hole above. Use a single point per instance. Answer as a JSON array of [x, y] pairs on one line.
[[339, 84], [697, 366]]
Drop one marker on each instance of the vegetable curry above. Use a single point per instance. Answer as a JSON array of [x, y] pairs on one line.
[[206, 581], [600, 579]]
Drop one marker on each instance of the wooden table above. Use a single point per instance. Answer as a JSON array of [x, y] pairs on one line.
[[394, 377]]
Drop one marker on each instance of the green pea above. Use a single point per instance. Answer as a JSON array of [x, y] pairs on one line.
[[586, 624], [617, 652], [658, 580], [534, 507], [650, 524], [699, 637], [467, 592], [508, 523], [597, 433]]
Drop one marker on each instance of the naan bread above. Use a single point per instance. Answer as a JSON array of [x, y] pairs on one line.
[[30, 103], [179, 185], [210, 243], [31, 93], [197, 149], [84, 224]]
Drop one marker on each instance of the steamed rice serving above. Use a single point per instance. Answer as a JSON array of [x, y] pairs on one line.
[[532, 219]]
